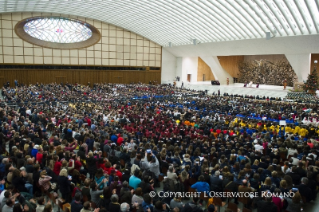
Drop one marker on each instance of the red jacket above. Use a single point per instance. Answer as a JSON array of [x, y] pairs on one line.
[[77, 165], [39, 157], [108, 170], [57, 168], [101, 166], [119, 174], [89, 122], [120, 141]]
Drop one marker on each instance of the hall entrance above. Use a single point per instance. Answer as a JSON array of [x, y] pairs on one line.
[[189, 77]]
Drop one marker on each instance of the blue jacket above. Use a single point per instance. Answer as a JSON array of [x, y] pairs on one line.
[[34, 152], [99, 180], [145, 206], [240, 157], [114, 138], [76, 207], [90, 143], [134, 181], [201, 187]]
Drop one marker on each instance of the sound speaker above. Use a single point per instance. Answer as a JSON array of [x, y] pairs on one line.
[[268, 36]]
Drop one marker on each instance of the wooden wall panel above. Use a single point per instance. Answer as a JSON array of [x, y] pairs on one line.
[[77, 76], [230, 64], [202, 69]]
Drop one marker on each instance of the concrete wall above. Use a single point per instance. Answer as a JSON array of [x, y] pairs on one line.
[[301, 65], [169, 65]]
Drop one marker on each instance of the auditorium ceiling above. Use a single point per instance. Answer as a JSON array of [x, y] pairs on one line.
[[184, 22]]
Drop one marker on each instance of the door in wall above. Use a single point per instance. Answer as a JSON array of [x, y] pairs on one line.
[[203, 77], [188, 77]]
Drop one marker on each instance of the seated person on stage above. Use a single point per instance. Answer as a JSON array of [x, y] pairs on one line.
[[245, 85], [257, 86], [250, 84]]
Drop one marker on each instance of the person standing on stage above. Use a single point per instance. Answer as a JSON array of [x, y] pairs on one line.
[[285, 84]]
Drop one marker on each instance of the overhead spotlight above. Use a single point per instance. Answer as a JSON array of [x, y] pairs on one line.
[[268, 34], [268, 37], [194, 41], [170, 44]]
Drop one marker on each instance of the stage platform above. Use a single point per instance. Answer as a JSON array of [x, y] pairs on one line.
[[238, 88]]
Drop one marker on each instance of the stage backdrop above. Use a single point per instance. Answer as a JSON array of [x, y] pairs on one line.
[[266, 71]]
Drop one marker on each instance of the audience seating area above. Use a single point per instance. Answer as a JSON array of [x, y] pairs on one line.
[[138, 154]]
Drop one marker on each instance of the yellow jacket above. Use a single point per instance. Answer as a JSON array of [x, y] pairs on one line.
[[296, 130], [303, 132]]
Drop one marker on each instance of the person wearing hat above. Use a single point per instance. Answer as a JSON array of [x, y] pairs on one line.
[[44, 180]]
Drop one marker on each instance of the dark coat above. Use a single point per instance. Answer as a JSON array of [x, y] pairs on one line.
[[263, 206], [19, 183], [91, 164], [114, 207], [64, 185], [216, 183]]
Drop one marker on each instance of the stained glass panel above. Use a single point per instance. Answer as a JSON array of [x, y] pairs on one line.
[[58, 30]]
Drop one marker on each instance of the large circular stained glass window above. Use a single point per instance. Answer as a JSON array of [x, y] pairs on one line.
[[57, 32]]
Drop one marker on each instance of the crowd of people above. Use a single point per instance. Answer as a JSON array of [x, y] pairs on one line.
[[108, 147], [69, 92]]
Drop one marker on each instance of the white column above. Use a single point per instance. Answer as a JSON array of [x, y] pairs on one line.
[[169, 65], [189, 66], [179, 67], [301, 65]]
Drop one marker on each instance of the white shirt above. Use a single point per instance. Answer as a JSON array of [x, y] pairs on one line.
[[2, 195], [314, 155], [295, 161], [40, 208], [288, 170], [291, 152], [258, 147]]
